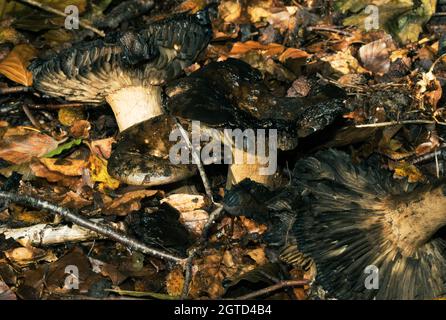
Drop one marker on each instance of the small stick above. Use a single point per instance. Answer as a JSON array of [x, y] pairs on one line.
[[392, 123], [277, 286], [99, 228], [49, 9], [31, 117], [55, 106], [328, 29], [197, 161], [193, 253], [14, 90]]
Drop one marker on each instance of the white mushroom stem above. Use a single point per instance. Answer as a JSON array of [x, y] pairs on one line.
[[135, 104], [240, 171]]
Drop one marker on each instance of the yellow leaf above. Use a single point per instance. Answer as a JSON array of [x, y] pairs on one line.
[[15, 65], [99, 173], [404, 169]]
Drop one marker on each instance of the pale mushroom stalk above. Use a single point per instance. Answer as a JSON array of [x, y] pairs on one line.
[[144, 103]]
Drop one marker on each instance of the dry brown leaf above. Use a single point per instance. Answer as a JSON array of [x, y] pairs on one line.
[[186, 202], [103, 147], [343, 62], [258, 255], [15, 65], [375, 56], [194, 221], [191, 5], [80, 129], [230, 11], [268, 50], [29, 255], [19, 146], [292, 53], [67, 167], [131, 201], [175, 282], [299, 88]]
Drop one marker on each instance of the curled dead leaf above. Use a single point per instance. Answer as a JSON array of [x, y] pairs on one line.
[[15, 65]]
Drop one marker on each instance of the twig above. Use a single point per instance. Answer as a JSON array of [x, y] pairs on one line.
[[197, 160], [392, 123], [328, 29], [99, 228], [14, 90], [49, 9], [277, 286], [201, 243], [31, 117], [55, 106]]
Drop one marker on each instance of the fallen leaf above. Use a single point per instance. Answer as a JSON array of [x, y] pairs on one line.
[[103, 147], [21, 147], [175, 282], [131, 201], [403, 169], [29, 255], [68, 167], [63, 147], [268, 50], [98, 173], [230, 11], [15, 65], [375, 55]]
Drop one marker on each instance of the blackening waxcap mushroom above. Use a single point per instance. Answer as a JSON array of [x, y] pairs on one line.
[[126, 69], [141, 155], [357, 216], [352, 218], [232, 94]]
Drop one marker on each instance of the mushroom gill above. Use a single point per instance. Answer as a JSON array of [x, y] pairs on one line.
[[349, 218]]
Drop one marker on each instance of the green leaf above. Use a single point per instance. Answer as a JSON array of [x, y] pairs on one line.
[[63, 147]]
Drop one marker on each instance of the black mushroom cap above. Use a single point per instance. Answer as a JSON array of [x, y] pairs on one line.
[[90, 71], [348, 217], [141, 155], [232, 93]]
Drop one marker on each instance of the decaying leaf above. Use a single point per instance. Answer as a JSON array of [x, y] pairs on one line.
[[131, 201], [98, 173], [20, 145], [404, 169], [14, 66], [375, 55], [68, 167], [28, 255]]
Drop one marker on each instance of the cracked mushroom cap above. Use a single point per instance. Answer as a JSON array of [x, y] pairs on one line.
[[232, 93], [90, 71]]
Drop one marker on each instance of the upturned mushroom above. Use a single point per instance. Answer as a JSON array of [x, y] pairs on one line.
[[126, 69], [371, 236]]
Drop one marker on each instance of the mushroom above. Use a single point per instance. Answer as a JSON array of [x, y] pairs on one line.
[[369, 235], [126, 69], [231, 94]]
